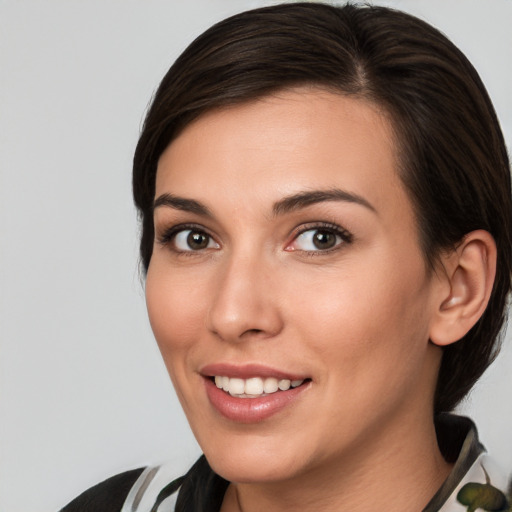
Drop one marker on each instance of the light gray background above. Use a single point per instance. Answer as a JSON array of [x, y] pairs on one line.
[[83, 391]]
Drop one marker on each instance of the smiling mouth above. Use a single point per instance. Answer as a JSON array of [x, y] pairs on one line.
[[255, 387]]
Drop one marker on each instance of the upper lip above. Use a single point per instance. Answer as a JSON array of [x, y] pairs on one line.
[[247, 371]]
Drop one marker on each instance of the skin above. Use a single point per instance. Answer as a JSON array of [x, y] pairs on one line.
[[356, 318]]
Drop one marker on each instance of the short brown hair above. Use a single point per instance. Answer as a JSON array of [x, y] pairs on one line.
[[453, 158]]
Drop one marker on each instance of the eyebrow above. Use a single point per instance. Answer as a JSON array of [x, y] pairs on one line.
[[308, 198], [180, 203], [286, 205]]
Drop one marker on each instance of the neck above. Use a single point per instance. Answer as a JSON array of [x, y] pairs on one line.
[[400, 470]]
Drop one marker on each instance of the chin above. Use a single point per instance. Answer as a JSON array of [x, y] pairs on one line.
[[251, 470], [254, 460]]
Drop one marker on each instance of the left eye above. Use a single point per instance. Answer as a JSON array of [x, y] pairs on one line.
[[193, 240], [317, 240]]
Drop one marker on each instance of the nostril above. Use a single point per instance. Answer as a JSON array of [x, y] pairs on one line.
[[252, 331]]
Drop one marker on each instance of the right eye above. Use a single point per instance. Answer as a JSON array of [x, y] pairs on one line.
[[187, 240]]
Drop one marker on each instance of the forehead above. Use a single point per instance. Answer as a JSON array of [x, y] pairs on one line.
[[290, 141]]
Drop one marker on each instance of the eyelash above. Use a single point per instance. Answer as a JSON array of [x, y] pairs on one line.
[[168, 236], [345, 236]]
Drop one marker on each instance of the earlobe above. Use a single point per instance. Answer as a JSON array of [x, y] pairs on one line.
[[469, 278]]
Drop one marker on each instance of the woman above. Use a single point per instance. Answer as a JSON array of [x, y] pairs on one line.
[[326, 219]]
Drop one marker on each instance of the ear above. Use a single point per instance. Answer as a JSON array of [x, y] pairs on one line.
[[467, 284]]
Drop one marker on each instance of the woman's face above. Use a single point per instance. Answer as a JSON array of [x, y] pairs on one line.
[[286, 250]]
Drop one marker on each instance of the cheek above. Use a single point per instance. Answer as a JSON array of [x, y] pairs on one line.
[[369, 338], [176, 310], [369, 316]]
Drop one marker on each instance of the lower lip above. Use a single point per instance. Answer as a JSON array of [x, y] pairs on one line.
[[250, 410]]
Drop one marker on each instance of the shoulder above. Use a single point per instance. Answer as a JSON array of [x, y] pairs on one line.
[[158, 489], [476, 481], [141, 490], [107, 496]]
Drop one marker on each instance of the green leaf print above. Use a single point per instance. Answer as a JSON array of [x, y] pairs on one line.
[[485, 497]]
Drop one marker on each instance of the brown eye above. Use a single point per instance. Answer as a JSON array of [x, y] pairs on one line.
[[197, 241], [321, 238], [318, 239], [188, 240], [324, 239]]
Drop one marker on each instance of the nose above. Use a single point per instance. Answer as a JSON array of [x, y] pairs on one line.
[[245, 305]]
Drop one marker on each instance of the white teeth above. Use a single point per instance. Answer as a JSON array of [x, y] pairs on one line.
[[255, 386], [270, 385], [284, 384], [236, 386]]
